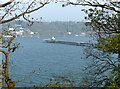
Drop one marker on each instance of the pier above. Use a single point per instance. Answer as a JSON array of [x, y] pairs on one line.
[[67, 42]]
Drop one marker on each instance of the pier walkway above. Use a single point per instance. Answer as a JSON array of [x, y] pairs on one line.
[[67, 42]]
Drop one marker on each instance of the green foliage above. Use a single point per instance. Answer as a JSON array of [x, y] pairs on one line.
[[110, 43], [106, 24], [103, 20], [57, 83], [114, 82]]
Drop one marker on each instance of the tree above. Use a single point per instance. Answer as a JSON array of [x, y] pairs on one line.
[[10, 46], [12, 10], [104, 18]]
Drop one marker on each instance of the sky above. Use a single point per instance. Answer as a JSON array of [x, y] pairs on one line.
[[55, 12]]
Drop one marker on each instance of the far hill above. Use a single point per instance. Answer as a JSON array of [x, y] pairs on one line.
[[57, 28]]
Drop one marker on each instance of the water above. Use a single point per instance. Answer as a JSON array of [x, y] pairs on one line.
[[52, 59]]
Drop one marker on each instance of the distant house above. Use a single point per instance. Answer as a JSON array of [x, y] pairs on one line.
[[69, 33], [11, 29], [31, 33], [19, 33], [21, 28]]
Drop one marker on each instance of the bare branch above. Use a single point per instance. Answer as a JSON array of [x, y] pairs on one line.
[[26, 12], [7, 3], [3, 51], [96, 5]]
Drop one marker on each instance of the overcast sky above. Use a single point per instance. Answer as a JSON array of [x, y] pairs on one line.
[[55, 12]]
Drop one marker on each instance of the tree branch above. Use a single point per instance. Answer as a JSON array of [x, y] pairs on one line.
[[3, 51], [95, 5], [7, 3], [26, 12]]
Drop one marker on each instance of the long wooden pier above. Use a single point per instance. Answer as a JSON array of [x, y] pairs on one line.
[[66, 42]]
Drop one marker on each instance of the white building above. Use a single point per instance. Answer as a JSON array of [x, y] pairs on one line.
[[11, 29], [69, 33], [19, 32], [31, 33]]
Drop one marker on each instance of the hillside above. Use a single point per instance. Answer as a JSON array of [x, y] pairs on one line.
[[54, 28]]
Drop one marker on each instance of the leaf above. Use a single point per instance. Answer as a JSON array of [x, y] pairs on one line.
[[51, 79], [41, 83]]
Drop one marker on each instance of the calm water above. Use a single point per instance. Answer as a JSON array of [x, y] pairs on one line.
[[52, 59]]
